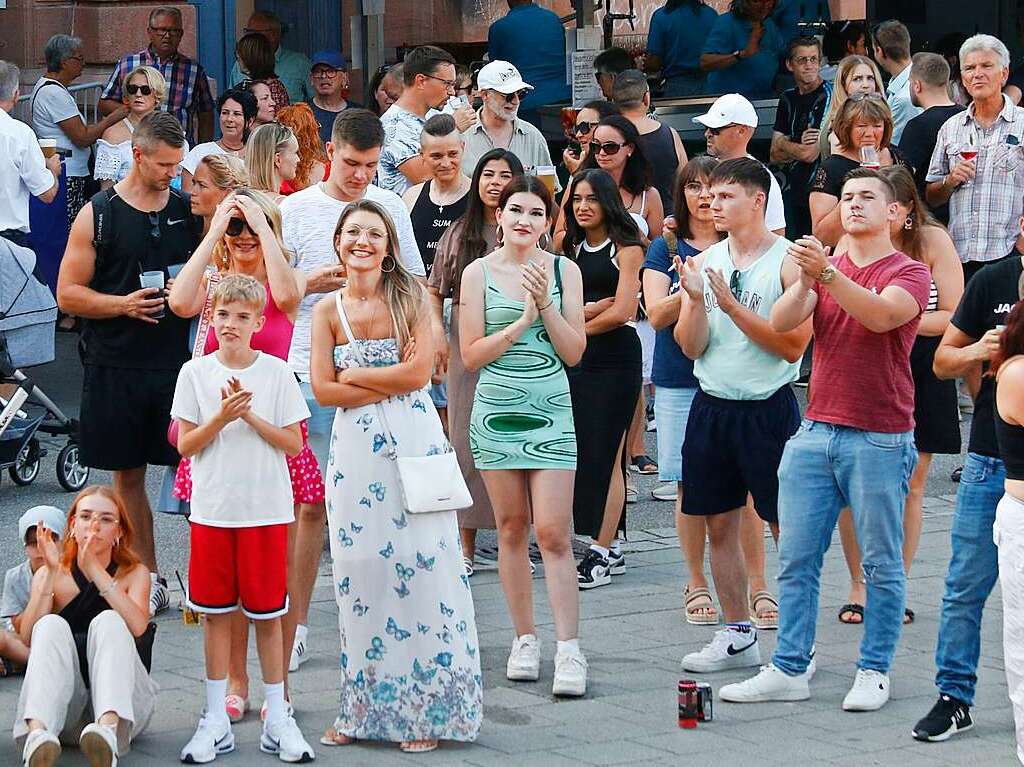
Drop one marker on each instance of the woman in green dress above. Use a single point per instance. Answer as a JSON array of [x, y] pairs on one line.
[[521, 323]]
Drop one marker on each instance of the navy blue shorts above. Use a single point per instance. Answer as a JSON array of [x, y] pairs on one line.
[[733, 447]]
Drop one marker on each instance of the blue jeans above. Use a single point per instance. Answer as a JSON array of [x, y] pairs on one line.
[[824, 468], [671, 412], [973, 570]]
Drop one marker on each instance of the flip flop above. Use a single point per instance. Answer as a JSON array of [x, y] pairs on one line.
[[417, 746], [762, 602], [851, 609], [332, 737], [699, 599]]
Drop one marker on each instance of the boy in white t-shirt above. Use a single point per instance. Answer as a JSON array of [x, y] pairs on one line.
[[239, 413]]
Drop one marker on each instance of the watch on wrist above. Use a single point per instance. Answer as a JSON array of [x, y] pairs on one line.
[[738, 55], [827, 274]]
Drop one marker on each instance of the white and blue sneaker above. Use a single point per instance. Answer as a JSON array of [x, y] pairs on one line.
[[729, 648], [285, 739], [213, 737], [616, 562]]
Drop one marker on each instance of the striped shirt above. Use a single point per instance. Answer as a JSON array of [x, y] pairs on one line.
[[188, 90], [984, 215]]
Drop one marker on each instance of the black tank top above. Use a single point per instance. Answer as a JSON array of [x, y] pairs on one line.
[[138, 241], [660, 151], [618, 347], [599, 271], [430, 221], [1010, 438]]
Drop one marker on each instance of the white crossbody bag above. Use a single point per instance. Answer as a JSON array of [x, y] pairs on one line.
[[428, 482]]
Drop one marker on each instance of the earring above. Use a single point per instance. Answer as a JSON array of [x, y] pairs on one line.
[[499, 237], [908, 224], [393, 264]]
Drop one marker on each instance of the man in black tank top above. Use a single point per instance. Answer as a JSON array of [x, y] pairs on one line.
[[131, 354], [438, 202], [660, 144]]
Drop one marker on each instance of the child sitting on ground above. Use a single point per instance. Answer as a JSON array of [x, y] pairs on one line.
[[239, 413], [18, 585]]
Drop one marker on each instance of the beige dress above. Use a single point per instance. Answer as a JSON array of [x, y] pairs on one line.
[[461, 382]]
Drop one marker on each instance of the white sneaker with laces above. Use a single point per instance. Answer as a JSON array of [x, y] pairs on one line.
[[42, 749], [870, 691], [728, 649], [300, 649], [285, 739], [771, 683], [212, 737], [159, 596], [524, 660], [570, 673], [99, 744]]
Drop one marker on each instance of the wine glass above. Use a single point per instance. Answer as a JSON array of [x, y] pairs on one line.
[[869, 158], [969, 151]]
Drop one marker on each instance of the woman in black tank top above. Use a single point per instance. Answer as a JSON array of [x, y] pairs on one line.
[[87, 622], [604, 241]]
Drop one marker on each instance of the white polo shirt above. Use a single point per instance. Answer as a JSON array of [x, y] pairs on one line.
[[23, 172]]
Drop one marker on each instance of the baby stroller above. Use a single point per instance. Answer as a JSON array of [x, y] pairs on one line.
[[27, 317]]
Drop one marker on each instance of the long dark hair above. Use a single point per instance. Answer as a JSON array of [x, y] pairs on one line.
[[636, 175], [1011, 341], [528, 185], [473, 242], [911, 239], [697, 169], [671, 5], [741, 9], [621, 227]]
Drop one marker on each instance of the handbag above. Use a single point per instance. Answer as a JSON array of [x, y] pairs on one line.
[[428, 482], [199, 345]]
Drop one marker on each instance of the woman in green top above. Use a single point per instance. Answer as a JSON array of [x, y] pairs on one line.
[[521, 323]]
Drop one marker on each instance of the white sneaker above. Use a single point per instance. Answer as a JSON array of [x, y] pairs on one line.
[[667, 492], [300, 652], [42, 748], [285, 739], [213, 737], [159, 596], [870, 691], [524, 660], [728, 649], [771, 683], [570, 673], [99, 744]]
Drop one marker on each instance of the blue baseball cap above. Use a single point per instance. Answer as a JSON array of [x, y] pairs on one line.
[[329, 58]]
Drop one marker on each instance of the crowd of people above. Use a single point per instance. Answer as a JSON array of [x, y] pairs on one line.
[[345, 288]]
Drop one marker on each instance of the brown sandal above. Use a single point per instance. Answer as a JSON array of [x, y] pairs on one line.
[[332, 737], [762, 603], [417, 746], [700, 607]]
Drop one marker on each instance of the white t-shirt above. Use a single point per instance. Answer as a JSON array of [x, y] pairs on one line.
[[23, 172], [197, 153], [775, 211], [308, 219], [50, 105], [240, 479], [17, 589]]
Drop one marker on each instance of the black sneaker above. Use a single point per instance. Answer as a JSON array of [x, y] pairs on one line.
[[593, 571], [616, 562], [948, 717]]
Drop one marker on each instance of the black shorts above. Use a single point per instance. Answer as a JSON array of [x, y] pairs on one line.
[[733, 447], [124, 418]]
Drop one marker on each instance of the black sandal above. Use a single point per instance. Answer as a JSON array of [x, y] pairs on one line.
[[850, 609], [644, 464]]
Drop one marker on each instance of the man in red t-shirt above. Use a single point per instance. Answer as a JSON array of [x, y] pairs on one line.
[[856, 444]]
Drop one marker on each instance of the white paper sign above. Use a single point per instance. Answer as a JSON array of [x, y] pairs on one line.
[[584, 85]]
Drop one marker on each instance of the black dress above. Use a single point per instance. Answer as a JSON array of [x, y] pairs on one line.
[[604, 388], [831, 173], [936, 411]]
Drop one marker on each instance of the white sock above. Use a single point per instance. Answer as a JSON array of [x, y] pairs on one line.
[[569, 645], [616, 546], [216, 689], [274, 694], [600, 550], [301, 632]]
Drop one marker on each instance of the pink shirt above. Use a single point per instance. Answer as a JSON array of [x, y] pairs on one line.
[[860, 378], [274, 339]]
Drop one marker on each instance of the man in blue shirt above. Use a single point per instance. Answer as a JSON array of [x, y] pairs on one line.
[[677, 34], [742, 52], [532, 39]]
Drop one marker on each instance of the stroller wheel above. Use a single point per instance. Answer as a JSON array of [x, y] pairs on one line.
[[72, 475], [26, 465]]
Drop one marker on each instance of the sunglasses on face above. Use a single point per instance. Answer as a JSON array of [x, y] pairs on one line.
[[132, 89], [608, 147], [509, 97], [583, 127], [236, 225], [716, 131], [734, 284]]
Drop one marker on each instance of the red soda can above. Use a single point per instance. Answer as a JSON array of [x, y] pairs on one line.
[[688, 704]]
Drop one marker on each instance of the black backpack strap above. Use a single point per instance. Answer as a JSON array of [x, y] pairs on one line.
[[32, 101]]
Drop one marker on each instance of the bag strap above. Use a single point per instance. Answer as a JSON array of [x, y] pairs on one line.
[[205, 316], [392, 452]]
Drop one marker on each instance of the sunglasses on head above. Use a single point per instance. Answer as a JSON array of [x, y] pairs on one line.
[[584, 127], [132, 89], [515, 94], [236, 225]]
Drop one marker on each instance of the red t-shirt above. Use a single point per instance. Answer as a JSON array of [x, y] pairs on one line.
[[860, 378]]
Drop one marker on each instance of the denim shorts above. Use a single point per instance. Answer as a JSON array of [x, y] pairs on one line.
[[671, 411], [321, 421]]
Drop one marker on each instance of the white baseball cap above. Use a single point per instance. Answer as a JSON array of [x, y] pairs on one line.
[[502, 77], [50, 517], [730, 109]]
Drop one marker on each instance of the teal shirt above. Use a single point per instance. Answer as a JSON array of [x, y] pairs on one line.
[[732, 366], [292, 68], [751, 77]]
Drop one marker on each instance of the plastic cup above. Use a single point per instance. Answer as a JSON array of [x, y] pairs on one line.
[[547, 174], [154, 279], [49, 147]]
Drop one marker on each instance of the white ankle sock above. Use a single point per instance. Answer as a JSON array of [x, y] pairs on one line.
[[301, 632], [600, 550], [216, 689], [274, 694], [569, 645]]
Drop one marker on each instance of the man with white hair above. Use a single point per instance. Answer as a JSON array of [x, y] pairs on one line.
[[291, 67], [985, 192], [499, 126], [23, 169]]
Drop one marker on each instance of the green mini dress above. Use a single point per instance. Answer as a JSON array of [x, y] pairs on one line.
[[522, 411]]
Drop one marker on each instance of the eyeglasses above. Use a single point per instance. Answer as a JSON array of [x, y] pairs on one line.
[[325, 74], [716, 131], [166, 31], [801, 60], [132, 89], [734, 284], [583, 127], [696, 188], [236, 225], [154, 227], [251, 31], [608, 147], [515, 95], [449, 84]]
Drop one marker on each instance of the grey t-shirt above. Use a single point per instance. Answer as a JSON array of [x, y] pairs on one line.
[[17, 587], [51, 104]]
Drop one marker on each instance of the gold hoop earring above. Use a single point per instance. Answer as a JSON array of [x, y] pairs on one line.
[[394, 264]]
